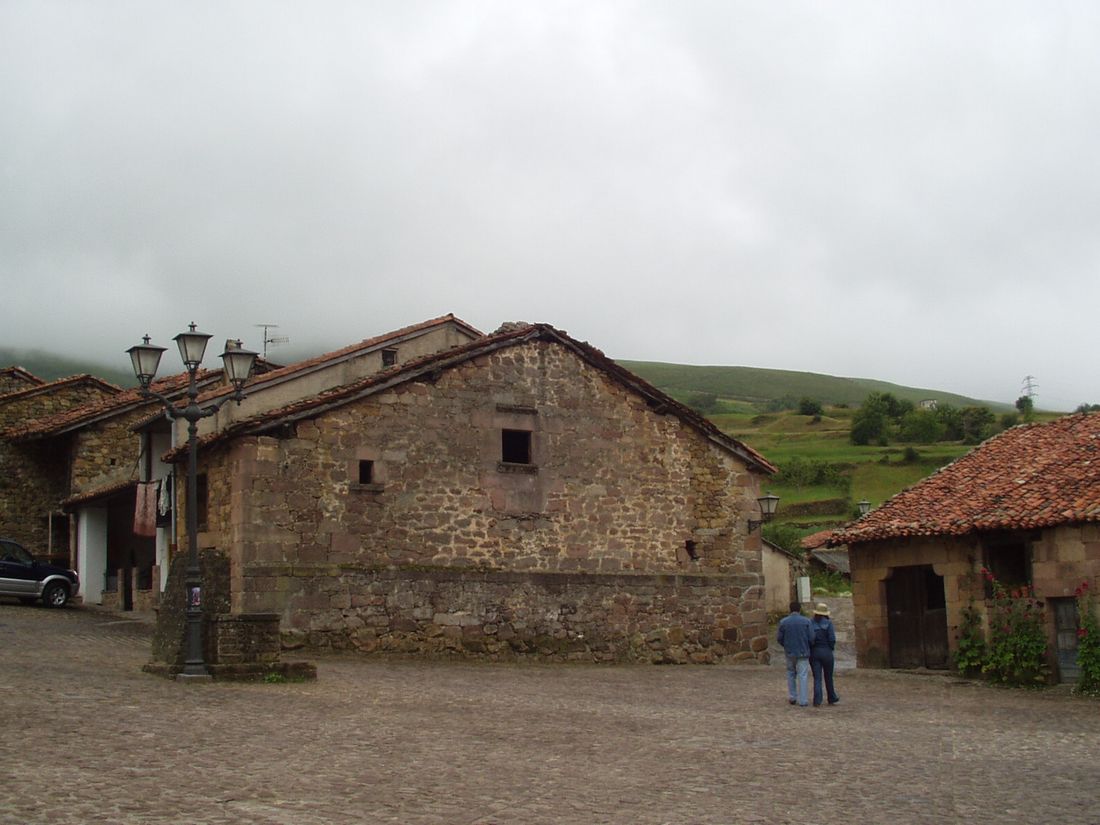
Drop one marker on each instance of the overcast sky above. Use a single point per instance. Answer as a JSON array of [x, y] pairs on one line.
[[901, 191]]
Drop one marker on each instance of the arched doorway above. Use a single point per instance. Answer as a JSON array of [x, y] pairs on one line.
[[917, 612]]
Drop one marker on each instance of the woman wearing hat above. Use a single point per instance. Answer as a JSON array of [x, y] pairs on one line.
[[821, 654]]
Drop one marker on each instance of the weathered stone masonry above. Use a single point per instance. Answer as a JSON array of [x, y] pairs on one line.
[[34, 475], [583, 553]]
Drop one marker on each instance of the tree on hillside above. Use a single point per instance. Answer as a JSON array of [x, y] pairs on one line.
[[1085, 408], [1026, 406], [978, 424], [921, 427], [872, 422], [810, 406]]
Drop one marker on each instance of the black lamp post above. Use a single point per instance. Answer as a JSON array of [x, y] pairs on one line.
[[238, 366], [767, 504]]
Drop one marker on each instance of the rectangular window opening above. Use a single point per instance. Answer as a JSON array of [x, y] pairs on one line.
[[1010, 564], [515, 446], [366, 472], [389, 357]]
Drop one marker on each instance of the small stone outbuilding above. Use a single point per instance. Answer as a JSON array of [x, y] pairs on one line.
[[1025, 505], [34, 476], [517, 495]]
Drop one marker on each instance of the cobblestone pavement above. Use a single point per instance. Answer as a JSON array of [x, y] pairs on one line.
[[89, 738]]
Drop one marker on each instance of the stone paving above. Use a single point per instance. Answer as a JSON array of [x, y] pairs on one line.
[[89, 738]]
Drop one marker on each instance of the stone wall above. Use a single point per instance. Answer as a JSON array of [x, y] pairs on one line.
[[34, 474], [871, 564], [1061, 558], [504, 615], [108, 451], [613, 489], [170, 635], [15, 379]]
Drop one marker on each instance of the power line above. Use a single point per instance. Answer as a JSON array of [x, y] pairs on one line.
[[1029, 386]]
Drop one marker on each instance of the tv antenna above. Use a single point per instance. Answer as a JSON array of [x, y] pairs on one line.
[[272, 339]]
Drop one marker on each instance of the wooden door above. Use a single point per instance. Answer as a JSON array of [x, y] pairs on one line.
[[917, 617], [1065, 631]]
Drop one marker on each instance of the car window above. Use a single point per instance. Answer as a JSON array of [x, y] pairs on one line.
[[10, 551]]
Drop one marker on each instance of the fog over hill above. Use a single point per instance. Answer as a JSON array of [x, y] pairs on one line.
[[749, 384]]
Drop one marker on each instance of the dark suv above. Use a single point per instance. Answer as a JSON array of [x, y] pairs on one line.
[[28, 579]]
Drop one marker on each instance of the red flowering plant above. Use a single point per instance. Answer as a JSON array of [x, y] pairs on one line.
[[1017, 652], [1088, 643]]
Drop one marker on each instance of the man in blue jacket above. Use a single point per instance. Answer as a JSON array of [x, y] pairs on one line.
[[796, 634]]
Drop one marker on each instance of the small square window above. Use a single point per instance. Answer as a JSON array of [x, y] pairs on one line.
[[389, 357], [515, 446], [366, 472]]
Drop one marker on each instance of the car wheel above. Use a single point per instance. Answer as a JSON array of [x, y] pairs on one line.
[[55, 595]]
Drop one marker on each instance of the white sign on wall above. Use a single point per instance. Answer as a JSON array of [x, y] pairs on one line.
[[804, 588]]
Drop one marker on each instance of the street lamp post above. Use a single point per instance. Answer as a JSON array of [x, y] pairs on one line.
[[238, 364]]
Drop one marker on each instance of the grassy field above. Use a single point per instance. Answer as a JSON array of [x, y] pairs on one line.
[[875, 473], [872, 472], [759, 386]]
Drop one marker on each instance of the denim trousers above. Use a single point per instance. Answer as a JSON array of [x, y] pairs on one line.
[[821, 661], [798, 679]]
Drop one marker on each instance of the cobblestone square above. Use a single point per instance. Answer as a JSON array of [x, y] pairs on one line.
[[89, 738]]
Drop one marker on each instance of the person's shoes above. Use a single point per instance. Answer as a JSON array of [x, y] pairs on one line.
[[790, 701], [804, 706], [818, 704], [834, 701]]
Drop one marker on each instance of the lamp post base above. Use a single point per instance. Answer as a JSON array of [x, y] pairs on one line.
[[192, 678]]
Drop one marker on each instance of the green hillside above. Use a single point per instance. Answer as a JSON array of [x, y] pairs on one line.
[[50, 367], [759, 386]]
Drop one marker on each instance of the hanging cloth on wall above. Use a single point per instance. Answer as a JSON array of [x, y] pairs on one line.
[[145, 510], [164, 502]]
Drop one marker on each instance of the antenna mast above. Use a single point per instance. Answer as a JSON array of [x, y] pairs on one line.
[[272, 339]]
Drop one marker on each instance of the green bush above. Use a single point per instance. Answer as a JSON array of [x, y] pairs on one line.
[[787, 536], [829, 582], [810, 406], [970, 653], [1017, 652], [1088, 644]]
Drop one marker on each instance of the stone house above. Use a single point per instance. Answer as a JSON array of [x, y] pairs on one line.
[[104, 453], [781, 570], [303, 379], [93, 460], [520, 494], [1024, 505], [13, 379], [33, 475]]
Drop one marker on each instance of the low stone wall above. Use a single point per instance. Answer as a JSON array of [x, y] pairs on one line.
[[246, 639], [169, 636], [236, 647], [506, 615]]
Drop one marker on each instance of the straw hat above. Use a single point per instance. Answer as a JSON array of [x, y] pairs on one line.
[[821, 609]]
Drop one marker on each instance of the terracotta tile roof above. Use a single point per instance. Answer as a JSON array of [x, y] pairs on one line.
[[122, 402], [61, 383], [21, 374], [1031, 476], [281, 373], [815, 540], [98, 493], [377, 382]]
